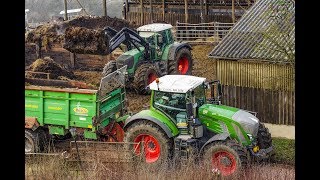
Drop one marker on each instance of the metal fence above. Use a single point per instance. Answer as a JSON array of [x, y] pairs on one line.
[[201, 33]]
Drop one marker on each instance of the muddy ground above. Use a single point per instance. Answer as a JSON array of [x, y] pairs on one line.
[[203, 66]]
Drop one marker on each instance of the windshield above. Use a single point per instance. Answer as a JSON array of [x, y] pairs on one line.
[[169, 103]]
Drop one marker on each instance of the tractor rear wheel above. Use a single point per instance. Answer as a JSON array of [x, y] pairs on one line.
[[226, 157], [155, 143], [182, 64], [109, 68], [33, 141], [144, 75]]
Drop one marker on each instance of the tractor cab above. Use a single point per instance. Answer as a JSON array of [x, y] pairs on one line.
[[180, 96], [159, 35], [161, 32]]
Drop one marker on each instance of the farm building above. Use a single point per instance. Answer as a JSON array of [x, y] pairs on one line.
[[256, 59], [190, 11], [73, 13]]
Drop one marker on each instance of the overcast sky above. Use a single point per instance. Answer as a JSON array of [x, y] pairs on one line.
[[43, 10]]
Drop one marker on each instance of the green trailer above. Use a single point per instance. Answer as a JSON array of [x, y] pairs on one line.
[[93, 114]]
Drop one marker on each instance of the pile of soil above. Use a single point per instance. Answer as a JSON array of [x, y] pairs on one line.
[[54, 31], [100, 22], [89, 77], [48, 65], [46, 33], [86, 41]]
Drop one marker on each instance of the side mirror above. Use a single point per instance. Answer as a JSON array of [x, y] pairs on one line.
[[189, 107]]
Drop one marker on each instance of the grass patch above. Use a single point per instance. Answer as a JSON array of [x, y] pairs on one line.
[[284, 150]]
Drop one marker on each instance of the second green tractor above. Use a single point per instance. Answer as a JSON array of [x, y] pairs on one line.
[[186, 117]]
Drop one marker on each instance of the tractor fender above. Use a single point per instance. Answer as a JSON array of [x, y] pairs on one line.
[[138, 117], [218, 137], [175, 48]]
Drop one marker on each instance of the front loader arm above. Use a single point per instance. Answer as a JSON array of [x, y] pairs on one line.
[[112, 32], [127, 35]]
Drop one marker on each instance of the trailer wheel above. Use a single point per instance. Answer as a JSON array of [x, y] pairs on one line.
[[144, 75], [225, 157], [109, 68], [182, 64], [31, 141], [156, 145]]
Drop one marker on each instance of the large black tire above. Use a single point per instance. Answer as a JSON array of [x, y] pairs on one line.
[[226, 157], [157, 146], [34, 141], [184, 58], [109, 68], [264, 137], [143, 76], [264, 141]]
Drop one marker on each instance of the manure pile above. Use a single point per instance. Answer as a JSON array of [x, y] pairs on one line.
[[48, 65], [86, 41], [54, 32]]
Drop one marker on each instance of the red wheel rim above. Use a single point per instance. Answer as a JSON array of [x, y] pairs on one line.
[[151, 78], [116, 134], [183, 65], [225, 162], [151, 147]]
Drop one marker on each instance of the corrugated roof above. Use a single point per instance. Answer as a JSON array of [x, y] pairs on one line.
[[266, 31]]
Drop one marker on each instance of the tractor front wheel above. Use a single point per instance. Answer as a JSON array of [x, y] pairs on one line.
[[144, 75], [225, 157], [154, 143], [182, 64], [109, 68], [264, 141]]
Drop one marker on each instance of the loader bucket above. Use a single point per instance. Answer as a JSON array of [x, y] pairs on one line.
[[81, 40]]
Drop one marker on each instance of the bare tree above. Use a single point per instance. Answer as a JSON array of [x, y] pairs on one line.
[[278, 36]]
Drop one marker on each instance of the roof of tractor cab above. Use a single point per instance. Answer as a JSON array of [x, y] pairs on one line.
[[155, 27], [177, 83]]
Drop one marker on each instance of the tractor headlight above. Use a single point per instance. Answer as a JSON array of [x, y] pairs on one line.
[[249, 122]]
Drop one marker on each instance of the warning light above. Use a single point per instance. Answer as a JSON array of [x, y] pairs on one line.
[[157, 80]]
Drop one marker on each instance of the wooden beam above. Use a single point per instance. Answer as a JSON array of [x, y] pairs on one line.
[[104, 2], [201, 11], [163, 9], [65, 10], [233, 13], [186, 10], [72, 59], [205, 7], [141, 11], [125, 10], [151, 12]]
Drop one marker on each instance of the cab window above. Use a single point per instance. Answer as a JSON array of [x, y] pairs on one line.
[[170, 103]]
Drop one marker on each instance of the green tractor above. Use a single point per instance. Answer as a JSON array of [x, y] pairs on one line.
[[182, 121], [149, 52]]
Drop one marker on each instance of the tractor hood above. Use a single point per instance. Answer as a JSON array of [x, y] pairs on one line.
[[248, 121]]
